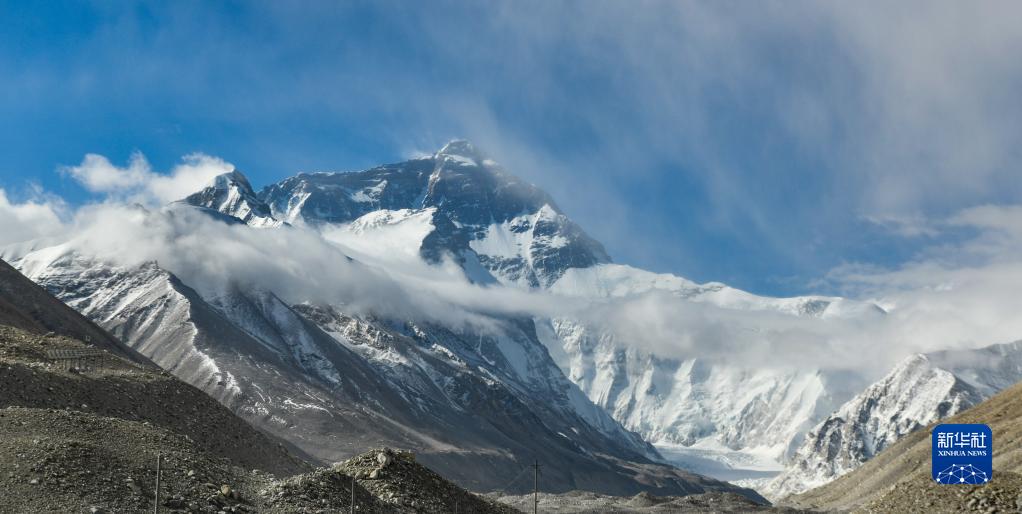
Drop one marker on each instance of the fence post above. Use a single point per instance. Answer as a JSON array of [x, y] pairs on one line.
[[156, 503], [535, 489]]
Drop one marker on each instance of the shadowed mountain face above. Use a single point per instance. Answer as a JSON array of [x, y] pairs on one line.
[[231, 192], [26, 305]]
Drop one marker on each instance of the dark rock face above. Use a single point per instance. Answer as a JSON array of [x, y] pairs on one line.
[[342, 197]]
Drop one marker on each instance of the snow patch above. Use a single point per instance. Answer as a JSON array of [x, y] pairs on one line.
[[384, 235]]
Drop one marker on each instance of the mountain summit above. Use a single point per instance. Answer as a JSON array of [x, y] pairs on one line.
[[461, 148], [476, 400], [231, 193], [486, 219]]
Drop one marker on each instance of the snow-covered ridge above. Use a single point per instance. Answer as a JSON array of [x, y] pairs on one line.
[[616, 281], [698, 410], [140, 304], [384, 235], [231, 194], [500, 226], [333, 382], [921, 389]]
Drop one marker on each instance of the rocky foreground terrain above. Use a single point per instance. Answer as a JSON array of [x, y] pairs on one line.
[[584, 502]]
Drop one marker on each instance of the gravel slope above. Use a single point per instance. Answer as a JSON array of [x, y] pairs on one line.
[[397, 479], [584, 502]]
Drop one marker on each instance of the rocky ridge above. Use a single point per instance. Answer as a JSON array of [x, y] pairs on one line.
[[398, 480], [898, 478]]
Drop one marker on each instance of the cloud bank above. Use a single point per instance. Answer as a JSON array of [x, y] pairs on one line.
[[960, 291], [953, 294]]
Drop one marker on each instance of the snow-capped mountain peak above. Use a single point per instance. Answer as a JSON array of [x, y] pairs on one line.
[[460, 150], [477, 206], [457, 204], [231, 194]]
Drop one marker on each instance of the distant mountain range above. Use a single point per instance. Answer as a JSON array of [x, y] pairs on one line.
[[477, 406], [480, 404]]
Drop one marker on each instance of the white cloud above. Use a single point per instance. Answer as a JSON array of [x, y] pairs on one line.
[[302, 265], [32, 219], [192, 174], [297, 264], [99, 175], [952, 295], [905, 226], [137, 182], [792, 118], [961, 292]]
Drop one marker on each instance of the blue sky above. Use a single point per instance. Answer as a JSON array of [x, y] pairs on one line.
[[764, 145]]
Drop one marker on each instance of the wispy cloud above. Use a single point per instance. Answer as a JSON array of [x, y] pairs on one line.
[[952, 294], [685, 135], [714, 141], [138, 182], [781, 125]]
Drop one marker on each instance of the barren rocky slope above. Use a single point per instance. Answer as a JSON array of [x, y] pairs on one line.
[[25, 305], [584, 502]]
